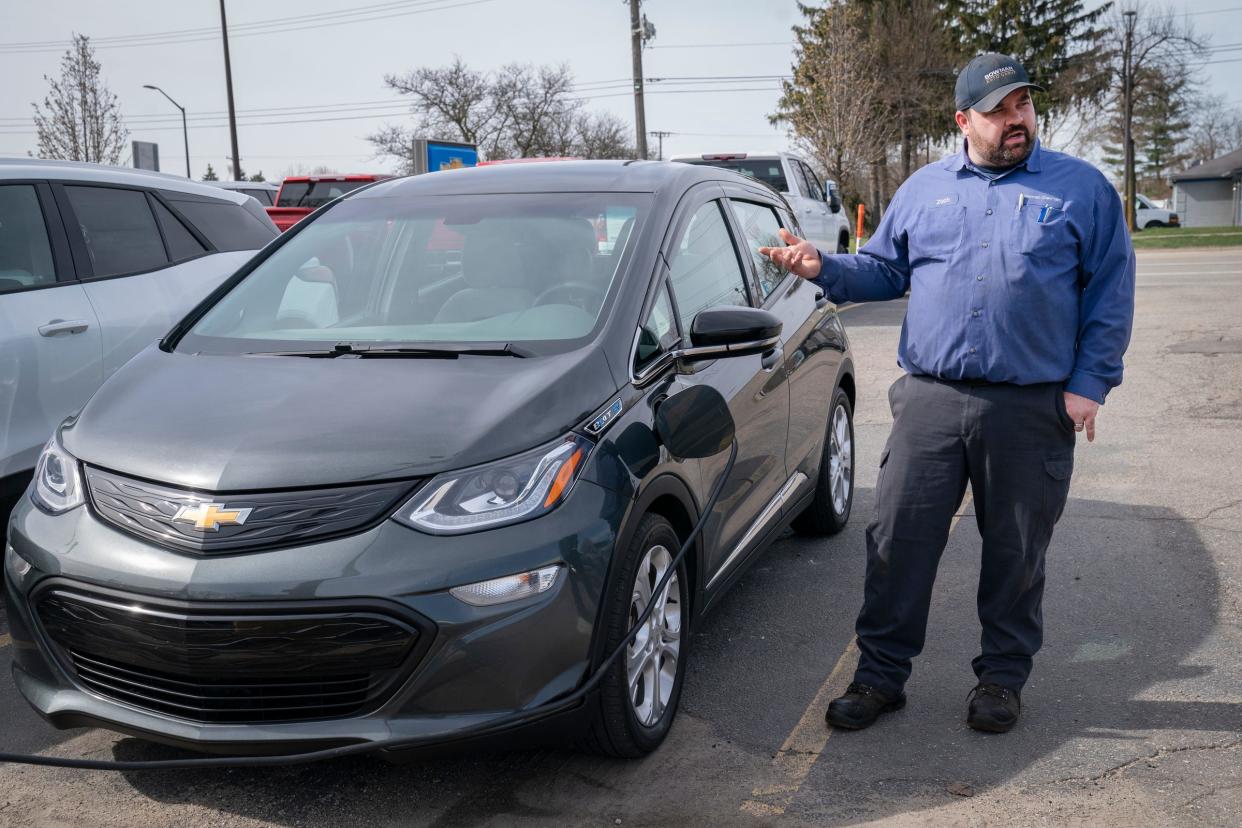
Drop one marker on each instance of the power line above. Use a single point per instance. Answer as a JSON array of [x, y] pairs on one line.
[[213, 34]]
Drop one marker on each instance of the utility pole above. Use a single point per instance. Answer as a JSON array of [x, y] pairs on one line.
[[228, 82], [655, 133], [1127, 115], [640, 30]]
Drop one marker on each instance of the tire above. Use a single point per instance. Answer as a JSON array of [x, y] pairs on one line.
[[827, 514], [1149, 225], [630, 724], [843, 244]]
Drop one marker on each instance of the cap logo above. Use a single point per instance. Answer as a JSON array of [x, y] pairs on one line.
[[1002, 72]]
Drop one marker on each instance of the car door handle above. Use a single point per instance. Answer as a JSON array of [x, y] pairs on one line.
[[59, 326], [772, 359], [820, 300]]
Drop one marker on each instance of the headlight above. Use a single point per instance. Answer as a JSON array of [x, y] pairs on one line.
[[57, 483], [507, 491]]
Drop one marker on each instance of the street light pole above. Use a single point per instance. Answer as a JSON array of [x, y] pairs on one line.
[[228, 82], [1127, 114], [185, 132]]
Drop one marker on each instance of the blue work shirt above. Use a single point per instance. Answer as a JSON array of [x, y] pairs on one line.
[[1023, 277]]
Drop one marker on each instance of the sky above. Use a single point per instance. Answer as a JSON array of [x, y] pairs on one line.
[[309, 87]]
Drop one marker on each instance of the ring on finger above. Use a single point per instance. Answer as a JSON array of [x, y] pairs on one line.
[[1079, 426]]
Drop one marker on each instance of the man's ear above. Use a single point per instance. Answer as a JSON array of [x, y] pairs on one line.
[[963, 122]]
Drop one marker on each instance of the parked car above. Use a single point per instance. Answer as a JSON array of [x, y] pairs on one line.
[[817, 204], [300, 195], [263, 191], [1148, 214], [369, 489], [96, 263]]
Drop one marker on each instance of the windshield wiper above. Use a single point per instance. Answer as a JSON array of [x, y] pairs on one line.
[[363, 349]]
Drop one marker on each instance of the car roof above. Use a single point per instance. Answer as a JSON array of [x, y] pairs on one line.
[[244, 185], [554, 176], [18, 167], [756, 156], [337, 177]]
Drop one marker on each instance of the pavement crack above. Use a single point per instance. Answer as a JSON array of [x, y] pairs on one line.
[[1117, 770], [1213, 791]]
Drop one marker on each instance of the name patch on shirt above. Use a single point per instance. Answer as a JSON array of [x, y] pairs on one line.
[[945, 201]]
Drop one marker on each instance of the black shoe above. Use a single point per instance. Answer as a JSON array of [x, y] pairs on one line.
[[861, 705], [993, 708]]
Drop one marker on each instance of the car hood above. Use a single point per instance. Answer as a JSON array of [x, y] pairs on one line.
[[238, 423]]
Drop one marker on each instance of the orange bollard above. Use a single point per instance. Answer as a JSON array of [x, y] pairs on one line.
[[858, 233]]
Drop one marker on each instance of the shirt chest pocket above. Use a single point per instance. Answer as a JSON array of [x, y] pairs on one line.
[[1041, 229], [938, 233]]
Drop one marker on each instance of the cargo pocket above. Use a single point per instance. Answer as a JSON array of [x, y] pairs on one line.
[[1058, 469]]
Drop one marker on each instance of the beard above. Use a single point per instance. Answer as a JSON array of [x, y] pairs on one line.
[[1002, 154]]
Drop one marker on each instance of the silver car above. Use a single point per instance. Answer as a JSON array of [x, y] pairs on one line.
[[96, 263]]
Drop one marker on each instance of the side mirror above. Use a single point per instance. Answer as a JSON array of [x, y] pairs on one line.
[[834, 202], [695, 423], [731, 331]]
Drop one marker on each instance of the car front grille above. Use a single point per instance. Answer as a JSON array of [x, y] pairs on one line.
[[211, 522], [225, 663]]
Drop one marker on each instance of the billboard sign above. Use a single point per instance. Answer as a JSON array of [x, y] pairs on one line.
[[433, 156], [146, 155]]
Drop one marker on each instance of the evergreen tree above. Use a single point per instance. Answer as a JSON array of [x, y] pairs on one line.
[[258, 176], [210, 175]]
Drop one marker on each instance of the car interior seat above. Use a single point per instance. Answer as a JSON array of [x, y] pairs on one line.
[[496, 275]]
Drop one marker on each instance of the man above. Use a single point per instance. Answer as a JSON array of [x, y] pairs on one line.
[[1021, 280]]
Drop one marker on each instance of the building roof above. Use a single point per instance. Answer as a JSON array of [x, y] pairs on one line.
[[1226, 166]]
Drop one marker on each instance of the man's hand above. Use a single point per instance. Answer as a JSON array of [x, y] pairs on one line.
[[800, 257], [1082, 411]]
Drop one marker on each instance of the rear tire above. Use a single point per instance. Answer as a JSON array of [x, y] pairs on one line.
[[639, 694], [834, 488]]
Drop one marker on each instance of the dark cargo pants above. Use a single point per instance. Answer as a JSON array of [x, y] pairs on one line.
[[1015, 446]]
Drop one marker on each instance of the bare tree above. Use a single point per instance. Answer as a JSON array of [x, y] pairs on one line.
[[80, 119], [522, 111], [829, 105], [1216, 129]]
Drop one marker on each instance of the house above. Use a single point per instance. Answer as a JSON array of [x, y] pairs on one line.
[[1208, 194]]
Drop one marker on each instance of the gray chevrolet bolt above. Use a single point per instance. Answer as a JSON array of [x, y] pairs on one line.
[[399, 476]]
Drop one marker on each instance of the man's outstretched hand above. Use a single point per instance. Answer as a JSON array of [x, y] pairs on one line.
[[799, 256]]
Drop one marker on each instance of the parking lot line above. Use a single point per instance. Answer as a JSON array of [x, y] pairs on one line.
[[806, 742]]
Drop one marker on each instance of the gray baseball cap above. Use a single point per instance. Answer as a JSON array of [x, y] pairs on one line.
[[987, 79]]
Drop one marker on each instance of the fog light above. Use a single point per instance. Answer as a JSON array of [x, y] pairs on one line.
[[508, 588], [19, 565]]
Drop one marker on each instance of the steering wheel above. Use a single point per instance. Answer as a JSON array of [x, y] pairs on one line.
[[577, 290]]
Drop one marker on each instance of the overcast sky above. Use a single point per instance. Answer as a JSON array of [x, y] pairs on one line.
[[309, 87]]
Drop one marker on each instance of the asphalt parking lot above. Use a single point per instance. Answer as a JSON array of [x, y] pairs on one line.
[[1133, 714]]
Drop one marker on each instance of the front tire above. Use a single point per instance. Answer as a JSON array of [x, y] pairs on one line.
[[834, 488], [639, 694], [843, 244]]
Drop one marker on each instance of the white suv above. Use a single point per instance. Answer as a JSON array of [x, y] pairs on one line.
[[816, 204], [96, 263]]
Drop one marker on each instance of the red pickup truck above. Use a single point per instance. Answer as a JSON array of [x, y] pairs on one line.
[[301, 195]]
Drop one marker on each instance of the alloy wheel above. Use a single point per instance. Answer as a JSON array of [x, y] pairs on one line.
[[840, 459], [651, 658]]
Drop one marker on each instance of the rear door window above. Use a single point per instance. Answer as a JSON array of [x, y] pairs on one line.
[[25, 252], [226, 225], [705, 271], [119, 230], [761, 228]]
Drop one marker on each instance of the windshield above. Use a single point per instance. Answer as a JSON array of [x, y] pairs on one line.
[[315, 194], [529, 268], [769, 172]]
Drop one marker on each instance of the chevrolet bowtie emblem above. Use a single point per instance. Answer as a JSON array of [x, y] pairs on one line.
[[209, 517]]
